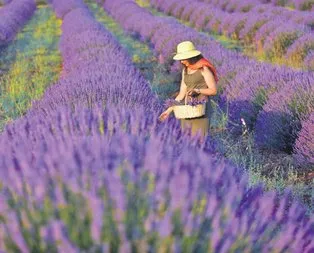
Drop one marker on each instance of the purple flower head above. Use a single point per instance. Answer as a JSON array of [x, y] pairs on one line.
[[96, 132], [309, 60], [304, 149], [13, 17], [300, 48]]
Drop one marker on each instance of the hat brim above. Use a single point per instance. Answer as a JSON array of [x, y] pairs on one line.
[[186, 55]]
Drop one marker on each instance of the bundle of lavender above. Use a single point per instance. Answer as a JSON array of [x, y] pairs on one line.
[[193, 101]]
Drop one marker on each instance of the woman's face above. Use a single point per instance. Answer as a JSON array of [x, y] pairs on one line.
[[185, 62]]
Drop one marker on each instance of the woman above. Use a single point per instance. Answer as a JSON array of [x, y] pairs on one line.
[[199, 80]]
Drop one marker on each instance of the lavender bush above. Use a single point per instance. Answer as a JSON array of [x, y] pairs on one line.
[[263, 33], [77, 179], [93, 64], [13, 17], [278, 124], [302, 5], [63, 7], [246, 95], [252, 25], [281, 38], [188, 10], [215, 23], [193, 101], [235, 26], [212, 17], [235, 5], [298, 51], [108, 170], [303, 149], [244, 6], [309, 60], [198, 12], [4, 2]]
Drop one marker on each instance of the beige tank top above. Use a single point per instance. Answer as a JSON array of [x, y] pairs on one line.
[[197, 81], [194, 80]]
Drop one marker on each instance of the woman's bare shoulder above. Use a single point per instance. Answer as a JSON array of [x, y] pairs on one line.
[[206, 71]]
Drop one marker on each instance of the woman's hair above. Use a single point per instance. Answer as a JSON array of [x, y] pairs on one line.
[[195, 59]]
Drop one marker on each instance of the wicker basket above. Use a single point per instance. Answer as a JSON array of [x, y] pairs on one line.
[[189, 111]]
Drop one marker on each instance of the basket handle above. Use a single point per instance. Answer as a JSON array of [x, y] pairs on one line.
[[186, 95]]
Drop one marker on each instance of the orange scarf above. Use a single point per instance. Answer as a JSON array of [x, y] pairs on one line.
[[204, 62]]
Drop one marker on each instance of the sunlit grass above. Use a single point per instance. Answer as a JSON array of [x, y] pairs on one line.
[[35, 64], [143, 3], [141, 54]]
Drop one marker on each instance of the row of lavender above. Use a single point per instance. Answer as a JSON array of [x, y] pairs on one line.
[[4, 2], [298, 4], [75, 176], [247, 5], [274, 31], [298, 17], [96, 70], [277, 98], [288, 107], [13, 17]]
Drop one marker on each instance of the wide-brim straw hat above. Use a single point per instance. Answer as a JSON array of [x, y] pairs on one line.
[[186, 50]]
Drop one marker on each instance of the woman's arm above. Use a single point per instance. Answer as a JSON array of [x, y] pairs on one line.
[[211, 89], [179, 97], [183, 88]]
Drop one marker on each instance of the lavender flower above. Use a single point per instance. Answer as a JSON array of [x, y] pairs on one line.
[[63, 7], [281, 38], [96, 131], [302, 5], [279, 122], [110, 154], [253, 23], [13, 17], [96, 205], [303, 148], [171, 102], [15, 234], [60, 237], [309, 60], [193, 101], [298, 51]]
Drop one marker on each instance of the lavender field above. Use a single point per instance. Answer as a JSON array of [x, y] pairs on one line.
[[85, 164]]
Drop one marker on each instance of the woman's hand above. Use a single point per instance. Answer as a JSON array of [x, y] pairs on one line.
[[165, 114], [193, 92]]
